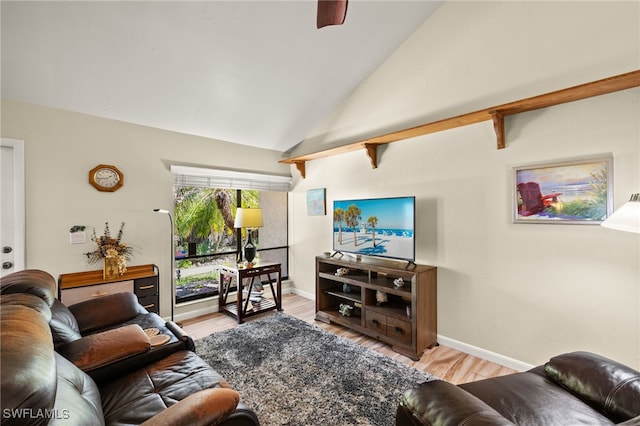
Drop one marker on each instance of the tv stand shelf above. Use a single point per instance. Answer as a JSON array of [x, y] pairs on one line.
[[407, 320]]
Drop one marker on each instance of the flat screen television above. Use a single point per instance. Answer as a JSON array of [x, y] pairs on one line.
[[382, 227]]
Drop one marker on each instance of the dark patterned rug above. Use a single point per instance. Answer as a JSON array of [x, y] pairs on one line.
[[294, 373]]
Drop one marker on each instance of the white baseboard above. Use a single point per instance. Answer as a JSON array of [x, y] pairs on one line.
[[304, 294], [212, 306], [288, 288], [484, 354]]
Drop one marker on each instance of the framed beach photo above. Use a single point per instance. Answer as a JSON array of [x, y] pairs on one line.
[[570, 192], [316, 202]]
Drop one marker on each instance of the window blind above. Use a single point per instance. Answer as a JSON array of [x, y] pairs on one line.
[[215, 178]]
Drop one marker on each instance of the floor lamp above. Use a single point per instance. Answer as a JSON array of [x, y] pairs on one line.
[[173, 286], [627, 217]]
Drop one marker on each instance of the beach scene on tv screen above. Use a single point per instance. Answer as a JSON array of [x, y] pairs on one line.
[[375, 227]]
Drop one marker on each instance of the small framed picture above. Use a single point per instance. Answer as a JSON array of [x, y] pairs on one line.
[[316, 202], [570, 192]]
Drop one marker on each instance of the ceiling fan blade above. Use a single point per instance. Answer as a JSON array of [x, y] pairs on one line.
[[331, 12]]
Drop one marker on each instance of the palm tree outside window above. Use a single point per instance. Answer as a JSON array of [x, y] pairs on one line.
[[205, 236]]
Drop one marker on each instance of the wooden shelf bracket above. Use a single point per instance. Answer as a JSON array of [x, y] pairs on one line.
[[301, 166], [498, 125], [372, 152], [496, 114]]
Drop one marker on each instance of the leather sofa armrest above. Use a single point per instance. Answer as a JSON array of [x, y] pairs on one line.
[[181, 335], [601, 382], [441, 403], [206, 407], [106, 311], [108, 347]]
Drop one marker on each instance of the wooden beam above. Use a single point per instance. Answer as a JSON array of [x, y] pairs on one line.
[[495, 113]]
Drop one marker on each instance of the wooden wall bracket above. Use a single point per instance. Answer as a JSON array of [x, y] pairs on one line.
[[498, 125], [496, 114], [301, 166], [372, 152]]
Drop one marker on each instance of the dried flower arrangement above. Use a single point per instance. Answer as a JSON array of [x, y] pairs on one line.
[[110, 248]]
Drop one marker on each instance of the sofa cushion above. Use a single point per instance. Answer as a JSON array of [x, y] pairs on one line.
[[32, 281], [207, 407], [531, 398], [138, 396], [605, 384], [27, 364], [438, 402], [91, 315], [77, 396], [28, 300], [110, 346], [64, 327]]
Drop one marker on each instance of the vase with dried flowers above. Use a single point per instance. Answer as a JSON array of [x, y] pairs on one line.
[[111, 251]]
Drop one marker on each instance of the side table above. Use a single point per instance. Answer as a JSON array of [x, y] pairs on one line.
[[246, 277]]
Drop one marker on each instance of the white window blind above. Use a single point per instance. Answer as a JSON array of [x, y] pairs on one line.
[[214, 178]]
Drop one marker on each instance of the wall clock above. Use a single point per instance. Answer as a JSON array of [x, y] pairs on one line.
[[106, 178]]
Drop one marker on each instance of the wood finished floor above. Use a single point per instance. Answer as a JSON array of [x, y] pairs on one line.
[[446, 363]]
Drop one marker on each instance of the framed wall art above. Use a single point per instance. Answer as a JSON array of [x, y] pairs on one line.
[[316, 203], [570, 192]]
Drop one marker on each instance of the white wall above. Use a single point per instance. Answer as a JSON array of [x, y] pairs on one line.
[[524, 292], [60, 149]]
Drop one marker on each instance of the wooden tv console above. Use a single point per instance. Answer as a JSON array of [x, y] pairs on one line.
[[407, 320]]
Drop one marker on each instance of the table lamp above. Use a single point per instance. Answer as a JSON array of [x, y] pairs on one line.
[[627, 217], [249, 219]]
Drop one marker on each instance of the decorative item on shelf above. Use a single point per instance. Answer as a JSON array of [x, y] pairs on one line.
[[398, 282], [345, 310], [110, 268], [111, 251], [346, 288], [327, 254], [249, 218], [342, 271], [408, 311], [381, 297]]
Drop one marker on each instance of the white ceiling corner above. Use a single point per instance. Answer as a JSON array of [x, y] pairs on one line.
[[257, 73]]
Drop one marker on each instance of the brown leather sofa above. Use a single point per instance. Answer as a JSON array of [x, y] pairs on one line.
[[162, 386], [71, 326], [578, 388]]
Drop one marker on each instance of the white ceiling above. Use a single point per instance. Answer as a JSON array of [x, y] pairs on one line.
[[251, 72]]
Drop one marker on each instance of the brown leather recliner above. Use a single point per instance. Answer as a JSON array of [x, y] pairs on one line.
[[91, 317], [578, 388], [39, 386]]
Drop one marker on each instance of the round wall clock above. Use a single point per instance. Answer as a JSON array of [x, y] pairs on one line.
[[106, 178]]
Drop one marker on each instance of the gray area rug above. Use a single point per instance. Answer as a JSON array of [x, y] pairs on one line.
[[294, 373]]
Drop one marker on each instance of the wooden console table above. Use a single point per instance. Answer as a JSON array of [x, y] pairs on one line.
[[239, 309], [142, 280]]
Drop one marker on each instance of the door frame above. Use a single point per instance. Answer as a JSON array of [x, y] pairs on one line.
[[19, 216]]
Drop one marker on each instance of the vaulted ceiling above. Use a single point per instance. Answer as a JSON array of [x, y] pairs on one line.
[[257, 73]]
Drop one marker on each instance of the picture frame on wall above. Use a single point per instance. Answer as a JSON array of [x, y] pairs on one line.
[[316, 202], [568, 192]]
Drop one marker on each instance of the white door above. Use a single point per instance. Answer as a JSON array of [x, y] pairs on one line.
[[12, 213]]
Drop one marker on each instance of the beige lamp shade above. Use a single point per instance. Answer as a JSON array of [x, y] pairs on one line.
[[248, 218], [627, 217]]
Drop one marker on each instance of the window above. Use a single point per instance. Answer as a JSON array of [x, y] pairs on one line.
[[204, 234]]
